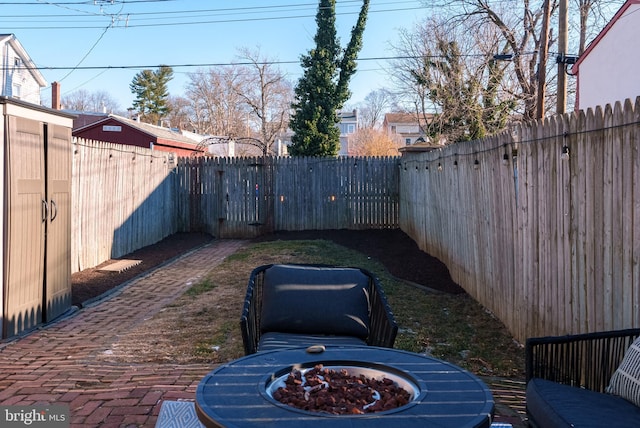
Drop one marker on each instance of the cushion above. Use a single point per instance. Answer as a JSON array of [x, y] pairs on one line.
[[178, 414], [270, 341], [552, 405], [315, 300], [625, 381]]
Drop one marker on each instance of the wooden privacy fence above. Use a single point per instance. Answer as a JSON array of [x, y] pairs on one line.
[[123, 199], [226, 197], [541, 225], [344, 193], [247, 197]]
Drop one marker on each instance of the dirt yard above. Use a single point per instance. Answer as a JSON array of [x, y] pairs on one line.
[[391, 247]]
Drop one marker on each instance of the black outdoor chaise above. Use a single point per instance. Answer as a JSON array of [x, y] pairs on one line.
[[305, 305], [584, 380]]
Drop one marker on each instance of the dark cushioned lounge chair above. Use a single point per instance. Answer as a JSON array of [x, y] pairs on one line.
[[567, 379], [305, 305]]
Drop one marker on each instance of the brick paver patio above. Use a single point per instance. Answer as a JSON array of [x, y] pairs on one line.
[[57, 364]]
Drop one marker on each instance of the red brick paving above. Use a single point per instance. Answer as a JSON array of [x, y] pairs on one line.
[[57, 364]]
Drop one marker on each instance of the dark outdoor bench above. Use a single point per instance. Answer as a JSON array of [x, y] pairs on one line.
[[568, 379], [305, 305]]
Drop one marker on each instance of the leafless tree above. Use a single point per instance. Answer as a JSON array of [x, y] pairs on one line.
[[375, 105], [216, 107], [267, 94], [520, 26], [521, 30], [592, 16], [178, 117], [457, 88], [248, 102], [83, 100]]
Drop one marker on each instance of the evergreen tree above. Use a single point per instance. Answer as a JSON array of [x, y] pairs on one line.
[[324, 86], [152, 95]]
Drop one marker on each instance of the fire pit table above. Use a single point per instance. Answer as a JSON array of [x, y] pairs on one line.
[[240, 393]]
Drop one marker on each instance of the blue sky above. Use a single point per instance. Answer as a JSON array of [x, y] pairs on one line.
[[93, 35]]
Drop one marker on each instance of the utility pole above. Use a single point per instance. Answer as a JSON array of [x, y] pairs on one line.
[[563, 41], [542, 65]]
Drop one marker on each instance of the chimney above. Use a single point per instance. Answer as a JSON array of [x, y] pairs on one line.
[[55, 96]]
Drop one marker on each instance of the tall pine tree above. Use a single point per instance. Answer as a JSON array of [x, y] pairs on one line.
[[324, 87], [152, 94]]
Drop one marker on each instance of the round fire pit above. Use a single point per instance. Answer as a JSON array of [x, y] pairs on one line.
[[241, 392], [338, 388]]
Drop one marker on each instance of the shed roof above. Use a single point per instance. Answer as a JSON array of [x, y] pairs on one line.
[[152, 130]]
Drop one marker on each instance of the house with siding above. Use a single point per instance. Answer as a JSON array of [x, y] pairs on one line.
[[348, 125], [120, 130], [19, 77], [607, 71], [404, 128]]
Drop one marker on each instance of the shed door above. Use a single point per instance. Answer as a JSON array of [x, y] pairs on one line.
[[24, 264], [58, 231]]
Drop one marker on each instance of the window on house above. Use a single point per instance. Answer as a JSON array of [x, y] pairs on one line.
[[407, 141], [347, 128], [16, 91], [393, 129]]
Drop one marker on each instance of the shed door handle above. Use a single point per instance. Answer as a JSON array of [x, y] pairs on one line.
[[45, 210], [54, 210]]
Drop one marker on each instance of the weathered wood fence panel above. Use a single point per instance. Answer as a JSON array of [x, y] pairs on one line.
[[226, 197], [541, 225], [342, 193], [123, 199], [248, 197]]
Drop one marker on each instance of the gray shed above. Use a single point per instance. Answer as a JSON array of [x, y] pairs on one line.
[[36, 215]]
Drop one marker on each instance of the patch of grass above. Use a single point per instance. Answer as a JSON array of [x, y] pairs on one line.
[[454, 328], [221, 336], [309, 251], [237, 257], [201, 287]]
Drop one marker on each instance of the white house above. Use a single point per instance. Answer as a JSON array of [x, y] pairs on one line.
[[19, 77], [607, 71], [405, 128], [348, 125]]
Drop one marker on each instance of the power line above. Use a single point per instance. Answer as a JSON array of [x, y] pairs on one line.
[[224, 64], [130, 18], [86, 2], [76, 67], [243, 9], [89, 51], [227, 9]]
